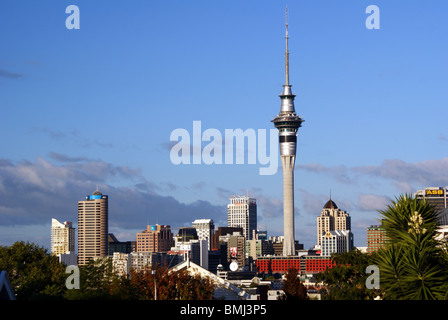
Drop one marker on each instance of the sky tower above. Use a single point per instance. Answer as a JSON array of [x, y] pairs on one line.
[[287, 122]]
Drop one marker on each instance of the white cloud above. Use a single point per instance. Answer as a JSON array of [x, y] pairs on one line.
[[33, 192], [372, 202], [406, 176]]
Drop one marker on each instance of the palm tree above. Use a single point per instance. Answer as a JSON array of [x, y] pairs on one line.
[[414, 264]]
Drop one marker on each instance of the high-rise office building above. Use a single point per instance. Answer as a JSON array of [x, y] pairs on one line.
[[62, 237], [242, 212], [93, 218], [288, 122], [156, 238], [435, 196], [438, 197], [332, 218], [204, 229]]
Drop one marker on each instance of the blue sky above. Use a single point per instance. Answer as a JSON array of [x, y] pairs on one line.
[[96, 106]]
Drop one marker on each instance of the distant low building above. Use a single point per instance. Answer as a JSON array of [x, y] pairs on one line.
[[69, 258], [236, 250], [223, 231], [141, 260], [376, 238], [307, 264], [120, 246], [121, 263]]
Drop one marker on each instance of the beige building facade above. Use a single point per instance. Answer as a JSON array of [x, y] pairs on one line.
[[332, 218], [92, 227]]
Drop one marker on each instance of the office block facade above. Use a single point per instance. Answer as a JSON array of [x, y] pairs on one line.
[[93, 215], [242, 212], [156, 238]]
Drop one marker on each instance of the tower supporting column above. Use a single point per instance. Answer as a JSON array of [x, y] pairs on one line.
[[288, 205]]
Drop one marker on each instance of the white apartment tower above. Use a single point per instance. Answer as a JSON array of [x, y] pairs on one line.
[[62, 237], [336, 241], [242, 212]]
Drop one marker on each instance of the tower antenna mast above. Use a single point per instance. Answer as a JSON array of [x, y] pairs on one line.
[[286, 51]]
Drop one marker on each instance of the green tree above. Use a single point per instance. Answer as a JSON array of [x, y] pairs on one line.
[[293, 287], [346, 280], [414, 264], [98, 281], [34, 274]]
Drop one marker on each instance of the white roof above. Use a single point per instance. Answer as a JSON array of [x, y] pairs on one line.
[[193, 268]]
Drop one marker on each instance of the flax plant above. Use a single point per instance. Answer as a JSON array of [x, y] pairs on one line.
[[414, 265]]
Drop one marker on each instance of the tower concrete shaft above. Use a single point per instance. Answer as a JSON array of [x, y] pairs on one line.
[[288, 205], [288, 122]]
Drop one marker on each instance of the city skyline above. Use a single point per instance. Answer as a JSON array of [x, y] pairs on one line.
[[96, 106]]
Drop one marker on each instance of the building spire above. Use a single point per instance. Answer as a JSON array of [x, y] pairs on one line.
[[287, 51]]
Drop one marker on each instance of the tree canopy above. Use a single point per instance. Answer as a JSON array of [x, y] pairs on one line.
[[346, 280], [33, 273], [36, 274], [293, 287]]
